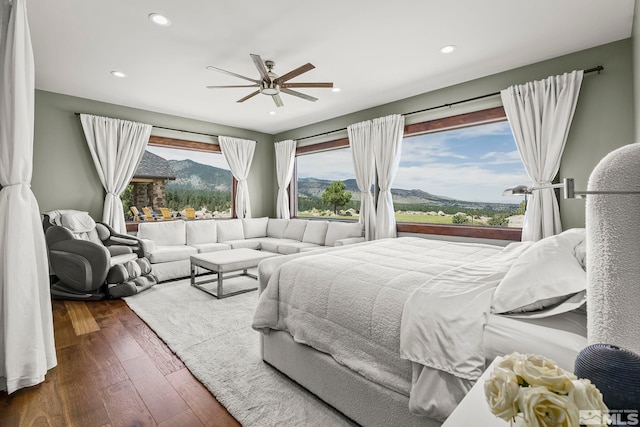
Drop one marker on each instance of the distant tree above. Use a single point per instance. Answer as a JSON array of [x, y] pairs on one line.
[[499, 221], [522, 209], [334, 195]]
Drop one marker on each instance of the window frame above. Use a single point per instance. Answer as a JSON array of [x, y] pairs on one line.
[[184, 144], [474, 118]]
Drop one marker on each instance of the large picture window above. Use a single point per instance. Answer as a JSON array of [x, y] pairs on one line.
[[457, 177], [326, 185], [179, 181], [450, 179]]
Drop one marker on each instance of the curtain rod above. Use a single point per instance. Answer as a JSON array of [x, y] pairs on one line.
[[177, 130], [597, 69]]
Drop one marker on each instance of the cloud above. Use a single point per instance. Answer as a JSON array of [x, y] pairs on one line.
[[500, 157], [331, 165], [474, 183]]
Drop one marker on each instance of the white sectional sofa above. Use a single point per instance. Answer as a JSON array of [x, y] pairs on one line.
[[171, 243]]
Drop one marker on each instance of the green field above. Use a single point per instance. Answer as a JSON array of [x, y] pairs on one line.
[[403, 217]]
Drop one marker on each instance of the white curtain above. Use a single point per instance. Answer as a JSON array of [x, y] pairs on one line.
[[116, 147], [27, 349], [364, 167], [285, 158], [239, 155], [386, 134], [540, 115]]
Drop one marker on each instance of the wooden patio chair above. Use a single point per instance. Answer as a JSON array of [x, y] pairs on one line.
[[137, 216], [166, 214], [190, 213], [148, 214]]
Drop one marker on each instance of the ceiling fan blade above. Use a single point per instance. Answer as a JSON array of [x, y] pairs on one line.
[[211, 67], [285, 85], [298, 94], [293, 73], [277, 100], [220, 87], [248, 96], [259, 63]]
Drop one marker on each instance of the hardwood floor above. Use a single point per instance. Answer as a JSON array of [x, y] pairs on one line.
[[112, 371]]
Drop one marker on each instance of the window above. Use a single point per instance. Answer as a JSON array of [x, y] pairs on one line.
[[316, 172], [457, 176], [455, 165], [177, 175]]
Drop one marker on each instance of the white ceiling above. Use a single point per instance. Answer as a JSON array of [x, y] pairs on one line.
[[375, 51]]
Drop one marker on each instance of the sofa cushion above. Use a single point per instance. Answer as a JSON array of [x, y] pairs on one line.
[[316, 232], [201, 231], [171, 253], [255, 227], [342, 230], [211, 247], [276, 227], [239, 244], [230, 229], [163, 233], [294, 248], [295, 229], [270, 244]]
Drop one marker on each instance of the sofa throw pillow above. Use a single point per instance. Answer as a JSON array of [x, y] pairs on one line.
[[276, 227], [230, 229], [163, 233], [295, 229], [315, 232], [342, 230], [255, 227], [201, 231]]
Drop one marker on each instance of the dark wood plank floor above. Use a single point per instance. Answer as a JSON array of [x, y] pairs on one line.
[[112, 371]]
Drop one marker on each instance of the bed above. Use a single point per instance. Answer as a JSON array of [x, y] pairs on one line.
[[396, 331]]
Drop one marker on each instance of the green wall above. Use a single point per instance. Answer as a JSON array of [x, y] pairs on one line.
[[64, 176], [603, 120]]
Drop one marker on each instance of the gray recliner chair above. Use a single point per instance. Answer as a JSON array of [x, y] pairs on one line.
[[91, 260]]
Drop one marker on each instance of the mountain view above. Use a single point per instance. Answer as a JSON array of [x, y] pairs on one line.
[[191, 175]]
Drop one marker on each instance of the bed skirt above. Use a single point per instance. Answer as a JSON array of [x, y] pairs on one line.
[[350, 393]]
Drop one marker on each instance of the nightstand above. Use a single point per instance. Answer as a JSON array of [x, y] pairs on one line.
[[473, 410]]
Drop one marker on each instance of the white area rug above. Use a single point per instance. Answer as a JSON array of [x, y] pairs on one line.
[[215, 341]]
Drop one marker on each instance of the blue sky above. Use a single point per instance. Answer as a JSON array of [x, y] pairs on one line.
[[474, 164]]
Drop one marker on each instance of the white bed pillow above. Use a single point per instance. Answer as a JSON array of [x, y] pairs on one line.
[[546, 274]]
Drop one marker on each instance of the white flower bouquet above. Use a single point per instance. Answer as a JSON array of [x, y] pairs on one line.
[[542, 394]]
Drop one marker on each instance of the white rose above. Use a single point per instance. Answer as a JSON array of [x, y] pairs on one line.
[[543, 408], [501, 390], [507, 362], [537, 370], [586, 396]]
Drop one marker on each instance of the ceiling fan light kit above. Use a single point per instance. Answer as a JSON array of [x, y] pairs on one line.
[[271, 84]]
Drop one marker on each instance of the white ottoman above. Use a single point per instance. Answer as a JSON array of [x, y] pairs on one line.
[[224, 262]]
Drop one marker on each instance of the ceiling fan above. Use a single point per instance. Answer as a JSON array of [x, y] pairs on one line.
[[271, 84]]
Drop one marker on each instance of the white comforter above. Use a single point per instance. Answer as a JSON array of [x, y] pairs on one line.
[[349, 302]]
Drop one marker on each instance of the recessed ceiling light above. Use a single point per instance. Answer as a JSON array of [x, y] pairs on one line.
[[160, 19], [335, 89], [272, 113], [118, 74], [447, 49]]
